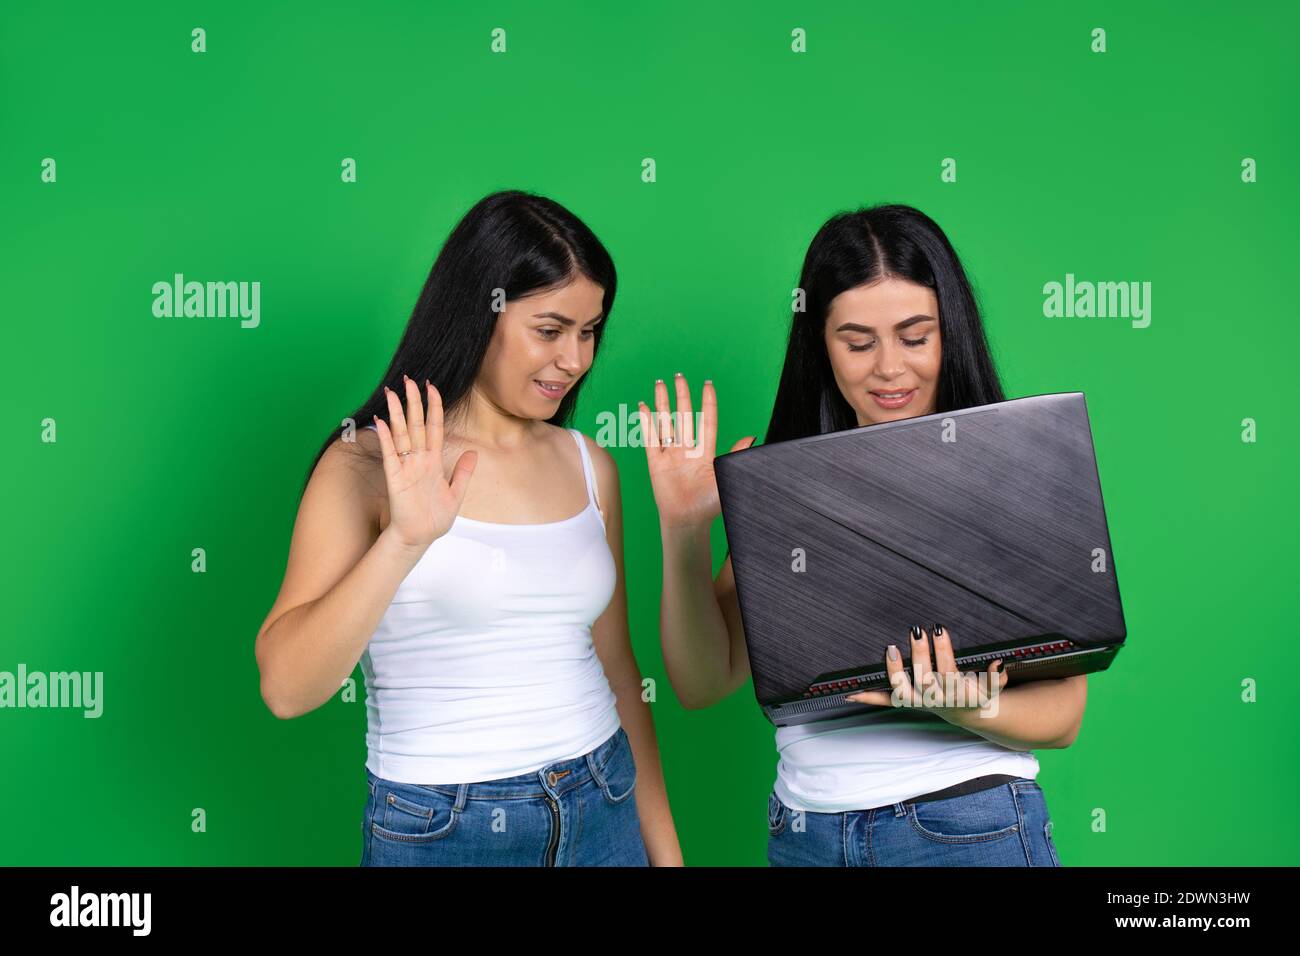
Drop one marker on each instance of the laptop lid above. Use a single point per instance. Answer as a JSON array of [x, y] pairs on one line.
[[988, 520]]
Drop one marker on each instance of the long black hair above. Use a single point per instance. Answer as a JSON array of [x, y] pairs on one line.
[[854, 248], [515, 241]]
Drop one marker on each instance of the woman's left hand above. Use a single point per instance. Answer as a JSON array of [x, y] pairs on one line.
[[950, 693]]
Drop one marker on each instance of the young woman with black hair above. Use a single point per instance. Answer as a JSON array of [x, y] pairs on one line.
[[890, 330], [498, 669]]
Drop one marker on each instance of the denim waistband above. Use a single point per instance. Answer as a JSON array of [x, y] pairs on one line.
[[553, 778]]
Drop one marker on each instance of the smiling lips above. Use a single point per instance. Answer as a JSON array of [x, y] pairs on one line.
[[552, 390], [895, 399]]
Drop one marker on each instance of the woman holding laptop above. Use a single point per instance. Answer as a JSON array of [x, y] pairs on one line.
[[890, 330]]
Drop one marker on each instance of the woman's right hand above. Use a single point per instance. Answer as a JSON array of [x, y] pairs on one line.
[[422, 504], [681, 473]]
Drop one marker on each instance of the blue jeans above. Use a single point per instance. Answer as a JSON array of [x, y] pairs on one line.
[[576, 812], [1006, 825]]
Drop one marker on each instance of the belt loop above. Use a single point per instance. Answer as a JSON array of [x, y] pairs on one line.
[[462, 794], [596, 775], [900, 809]]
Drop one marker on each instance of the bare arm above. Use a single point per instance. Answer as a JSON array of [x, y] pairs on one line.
[[341, 576], [1039, 715], [343, 569], [1042, 714], [699, 618], [613, 646]]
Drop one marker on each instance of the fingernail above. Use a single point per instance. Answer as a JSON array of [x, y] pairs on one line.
[[852, 698], [997, 665], [938, 630], [677, 374], [708, 381], [893, 652], [915, 632], [405, 378], [659, 381]]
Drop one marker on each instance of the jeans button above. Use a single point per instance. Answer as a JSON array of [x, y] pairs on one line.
[[551, 778]]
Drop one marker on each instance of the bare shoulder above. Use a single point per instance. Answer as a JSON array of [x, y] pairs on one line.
[[334, 527], [357, 467], [607, 490], [601, 459], [606, 471]]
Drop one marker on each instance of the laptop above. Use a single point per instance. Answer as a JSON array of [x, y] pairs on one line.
[[988, 520]]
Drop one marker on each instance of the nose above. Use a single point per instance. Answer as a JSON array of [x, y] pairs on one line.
[[889, 361], [569, 357]]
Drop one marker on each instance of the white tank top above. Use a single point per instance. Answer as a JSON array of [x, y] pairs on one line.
[[483, 665], [879, 758]]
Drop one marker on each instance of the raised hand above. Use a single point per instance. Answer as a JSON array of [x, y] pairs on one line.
[[422, 504], [681, 464]]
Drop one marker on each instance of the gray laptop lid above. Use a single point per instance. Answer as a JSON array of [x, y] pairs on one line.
[[988, 520]]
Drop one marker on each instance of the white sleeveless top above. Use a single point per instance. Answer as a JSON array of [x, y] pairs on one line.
[[483, 665], [879, 758]]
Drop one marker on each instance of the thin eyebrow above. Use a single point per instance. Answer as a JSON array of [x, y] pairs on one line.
[[564, 318], [855, 327]]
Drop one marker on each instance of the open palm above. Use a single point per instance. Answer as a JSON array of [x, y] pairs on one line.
[[680, 462], [422, 504]]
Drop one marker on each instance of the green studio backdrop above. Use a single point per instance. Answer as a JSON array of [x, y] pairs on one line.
[[175, 434]]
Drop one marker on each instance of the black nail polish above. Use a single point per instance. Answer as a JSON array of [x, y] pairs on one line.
[[938, 629], [915, 632]]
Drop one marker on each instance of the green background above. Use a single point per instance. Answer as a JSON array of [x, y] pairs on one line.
[[177, 434]]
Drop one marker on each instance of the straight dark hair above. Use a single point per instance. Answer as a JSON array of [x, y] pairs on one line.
[[852, 249], [513, 241]]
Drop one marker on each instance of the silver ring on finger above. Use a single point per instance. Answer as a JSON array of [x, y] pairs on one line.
[[667, 440]]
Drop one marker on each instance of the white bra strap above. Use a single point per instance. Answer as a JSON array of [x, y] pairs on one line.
[[587, 470]]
